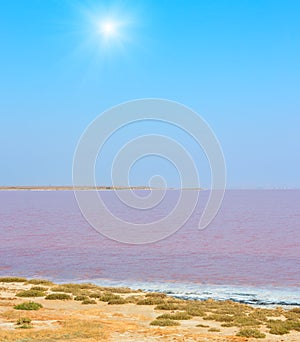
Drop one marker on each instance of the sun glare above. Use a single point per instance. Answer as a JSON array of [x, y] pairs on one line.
[[109, 29]]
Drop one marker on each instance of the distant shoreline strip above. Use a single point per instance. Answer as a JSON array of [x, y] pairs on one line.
[[71, 188]]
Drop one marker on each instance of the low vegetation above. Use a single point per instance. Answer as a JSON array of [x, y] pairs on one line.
[[75, 289], [117, 289], [170, 306], [40, 282], [25, 326], [117, 301], [279, 327], [24, 323], [164, 322], [12, 280], [251, 322], [58, 296], [151, 301], [178, 316], [80, 298], [95, 295], [195, 311], [108, 296], [156, 295], [30, 293], [62, 288], [28, 306], [23, 320], [251, 333], [88, 301], [133, 299], [39, 288]]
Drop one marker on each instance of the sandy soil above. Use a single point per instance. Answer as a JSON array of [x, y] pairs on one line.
[[72, 321]]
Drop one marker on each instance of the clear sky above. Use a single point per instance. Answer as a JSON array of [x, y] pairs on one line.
[[237, 63]]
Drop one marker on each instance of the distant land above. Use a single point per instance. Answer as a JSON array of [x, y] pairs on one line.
[[70, 187]]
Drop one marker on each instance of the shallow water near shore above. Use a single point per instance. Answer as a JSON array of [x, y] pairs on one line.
[[250, 253]]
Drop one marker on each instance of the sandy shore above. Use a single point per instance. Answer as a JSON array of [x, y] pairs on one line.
[[92, 313]]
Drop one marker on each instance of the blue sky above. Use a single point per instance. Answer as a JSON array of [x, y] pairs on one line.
[[237, 63]]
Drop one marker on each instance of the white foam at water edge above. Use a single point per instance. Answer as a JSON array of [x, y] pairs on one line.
[[258, 296]]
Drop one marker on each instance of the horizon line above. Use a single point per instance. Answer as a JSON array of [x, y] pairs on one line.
[[121, 187]]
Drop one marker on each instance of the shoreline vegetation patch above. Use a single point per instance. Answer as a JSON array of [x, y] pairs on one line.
[[208, 316]]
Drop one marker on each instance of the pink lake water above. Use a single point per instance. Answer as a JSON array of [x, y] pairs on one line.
[[250, 253]]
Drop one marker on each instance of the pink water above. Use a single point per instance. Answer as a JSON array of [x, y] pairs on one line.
[[254, 243]]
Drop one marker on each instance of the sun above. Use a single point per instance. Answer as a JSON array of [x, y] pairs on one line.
[[109, 28]]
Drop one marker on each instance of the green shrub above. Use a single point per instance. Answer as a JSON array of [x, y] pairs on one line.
[[278, 327], [75, 289], [259, 315], [28, 306], [117, 301], [40, 282], [243, 321], [80, 298], [30, 293], [164, 323], [95, 295], [291, 316], [214, 330], [219, 318], [251, 333], [117, 289], [88, 301], [23, 320], [170, 306], [59, 296], [62, 289], [151, 301], [293, 325], [176, 316], [39, 288], [279, 330], [194, 311], [82, 286], [107, 296], [12, 280]]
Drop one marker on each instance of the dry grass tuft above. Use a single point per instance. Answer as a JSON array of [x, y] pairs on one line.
[[12, 280], [164, 323], [40, 282], [251, 333], [58, 296], [178, 316]]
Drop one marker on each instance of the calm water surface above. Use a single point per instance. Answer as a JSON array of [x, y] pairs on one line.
[[250, 253]]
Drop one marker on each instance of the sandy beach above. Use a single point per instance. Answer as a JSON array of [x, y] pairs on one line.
[[86, 312]]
